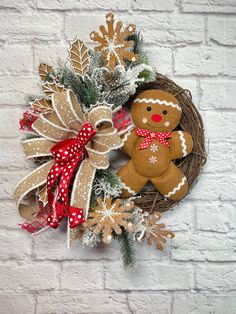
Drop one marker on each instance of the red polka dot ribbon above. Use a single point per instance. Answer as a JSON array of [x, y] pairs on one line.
[[67, 154], [150, 136]]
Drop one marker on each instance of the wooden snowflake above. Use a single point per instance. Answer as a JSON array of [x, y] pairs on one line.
[[114, 45], [154, 233], [109, 217]]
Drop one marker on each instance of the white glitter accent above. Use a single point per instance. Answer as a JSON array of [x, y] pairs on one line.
[[128, 189], [153, 148], [183, 143], [177, 188], [153, 159], [157, 101]]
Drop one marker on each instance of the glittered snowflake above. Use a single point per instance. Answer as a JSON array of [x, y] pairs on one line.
[[153, 232], [153, 159], [109, 217], [114, 45], [153, 148]]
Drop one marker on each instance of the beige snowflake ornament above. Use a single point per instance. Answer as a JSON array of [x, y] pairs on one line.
[[114, 45], [153, 232], [109, 217]]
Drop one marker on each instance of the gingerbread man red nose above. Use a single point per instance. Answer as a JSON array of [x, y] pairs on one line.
[[156, 118]]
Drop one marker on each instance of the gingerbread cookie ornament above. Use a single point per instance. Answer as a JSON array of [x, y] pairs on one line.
[[152, 145]]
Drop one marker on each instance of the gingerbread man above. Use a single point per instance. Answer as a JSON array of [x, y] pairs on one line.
[[152, 145]]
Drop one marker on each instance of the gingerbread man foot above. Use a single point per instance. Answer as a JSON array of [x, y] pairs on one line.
[[172, 184], [133, 181]]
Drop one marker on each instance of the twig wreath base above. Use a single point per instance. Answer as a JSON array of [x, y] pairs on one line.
[[192, 164]]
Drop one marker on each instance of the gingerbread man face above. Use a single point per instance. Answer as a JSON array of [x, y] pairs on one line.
[[156, 110]]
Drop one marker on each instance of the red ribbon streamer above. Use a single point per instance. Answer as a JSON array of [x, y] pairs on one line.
[[68, 154], [150, 136]]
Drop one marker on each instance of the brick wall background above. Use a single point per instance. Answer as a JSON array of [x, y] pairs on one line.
[[192, 41]]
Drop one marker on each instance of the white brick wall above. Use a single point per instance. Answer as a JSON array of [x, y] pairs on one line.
[[192, 41]]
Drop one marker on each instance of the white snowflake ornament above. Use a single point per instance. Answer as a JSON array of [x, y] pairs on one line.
[[153, 148], [153, 159]]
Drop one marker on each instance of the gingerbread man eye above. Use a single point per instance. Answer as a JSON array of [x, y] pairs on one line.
[[164, 112], [149, 108]]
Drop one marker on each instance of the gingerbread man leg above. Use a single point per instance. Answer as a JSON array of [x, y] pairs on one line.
[[130, 177], [172, 184]]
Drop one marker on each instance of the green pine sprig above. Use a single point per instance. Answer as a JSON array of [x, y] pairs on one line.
[[109, 176], [138, 42], [137, 48], [127, 249], [147, 76], [82, 88]]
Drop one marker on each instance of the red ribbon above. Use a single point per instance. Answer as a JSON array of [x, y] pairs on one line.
[[27, 121], [121, 120], [150, 136], [68, 154]]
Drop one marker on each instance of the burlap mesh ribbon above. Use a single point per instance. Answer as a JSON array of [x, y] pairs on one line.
[[64, 122]]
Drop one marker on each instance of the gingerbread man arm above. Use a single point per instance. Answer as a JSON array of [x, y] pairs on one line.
[[181, 144], [129, 143]]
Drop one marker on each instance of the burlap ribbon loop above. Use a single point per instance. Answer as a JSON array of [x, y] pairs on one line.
[[65, 106], [37, 147], [64, 123], [29, 183], [99, 116]]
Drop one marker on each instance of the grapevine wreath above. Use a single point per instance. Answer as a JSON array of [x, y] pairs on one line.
[[108, 107]]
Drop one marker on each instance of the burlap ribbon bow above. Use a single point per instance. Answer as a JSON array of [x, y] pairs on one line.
[[64, 122]]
